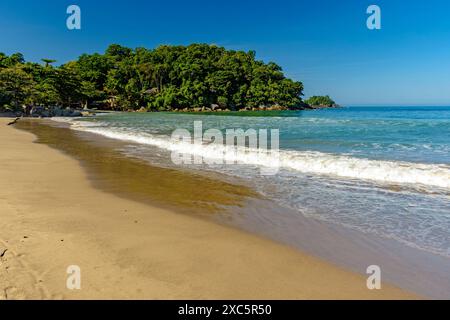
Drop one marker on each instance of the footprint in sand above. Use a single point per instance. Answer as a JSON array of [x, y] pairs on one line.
[[17, 279]]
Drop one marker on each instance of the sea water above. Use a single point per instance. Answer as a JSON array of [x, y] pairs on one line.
[[382, 171]]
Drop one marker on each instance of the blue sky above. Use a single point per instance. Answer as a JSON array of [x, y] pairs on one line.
[[323, 43]]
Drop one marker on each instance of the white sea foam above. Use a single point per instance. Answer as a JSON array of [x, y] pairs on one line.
[[390, 172]]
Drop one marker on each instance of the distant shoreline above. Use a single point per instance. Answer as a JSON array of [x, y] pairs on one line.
[[69, 112]]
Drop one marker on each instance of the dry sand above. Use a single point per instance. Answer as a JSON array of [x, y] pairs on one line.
[[52, 217]]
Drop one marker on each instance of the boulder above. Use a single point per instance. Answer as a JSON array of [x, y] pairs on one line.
[[56, 111], [76, 113], [276, 107], [36, 111]]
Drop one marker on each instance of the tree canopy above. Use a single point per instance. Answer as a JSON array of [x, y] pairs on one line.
[[165, 78], [321, 101]]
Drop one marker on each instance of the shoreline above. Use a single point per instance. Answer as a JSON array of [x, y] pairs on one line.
[[47, 113], [56, 217]]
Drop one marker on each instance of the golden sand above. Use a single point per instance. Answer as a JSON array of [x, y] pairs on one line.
[[53, 215]]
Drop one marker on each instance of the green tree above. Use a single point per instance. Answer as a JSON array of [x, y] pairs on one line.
[[322, 101], [165, 78], [15, 87], [48, 62]]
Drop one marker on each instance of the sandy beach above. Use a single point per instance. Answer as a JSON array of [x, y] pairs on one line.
[[53, 216]]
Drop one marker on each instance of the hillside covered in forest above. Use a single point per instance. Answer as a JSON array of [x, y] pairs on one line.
[[168, 78]]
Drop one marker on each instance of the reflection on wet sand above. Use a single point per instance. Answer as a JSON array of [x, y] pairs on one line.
[[111, 171]]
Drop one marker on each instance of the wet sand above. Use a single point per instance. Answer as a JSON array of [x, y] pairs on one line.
[[138, 232]]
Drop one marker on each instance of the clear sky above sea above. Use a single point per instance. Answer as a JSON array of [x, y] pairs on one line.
[[323, 43]]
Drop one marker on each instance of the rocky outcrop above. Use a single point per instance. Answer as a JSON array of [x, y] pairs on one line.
[[48, 112], [322, 106], [221, 108], [218, 108]]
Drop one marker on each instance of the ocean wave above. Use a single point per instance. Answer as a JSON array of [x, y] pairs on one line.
[[343, 166]]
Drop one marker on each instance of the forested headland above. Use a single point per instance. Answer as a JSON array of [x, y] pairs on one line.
[[321, 102], [169, 78]]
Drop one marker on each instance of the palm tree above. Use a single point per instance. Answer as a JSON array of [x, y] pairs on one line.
[[48, 61]]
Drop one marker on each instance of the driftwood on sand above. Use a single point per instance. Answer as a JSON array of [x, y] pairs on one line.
[[13, 122]]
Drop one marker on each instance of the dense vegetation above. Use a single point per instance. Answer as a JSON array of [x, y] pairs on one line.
[[166, 78], [320, 101]]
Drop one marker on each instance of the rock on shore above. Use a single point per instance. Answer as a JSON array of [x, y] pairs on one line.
[[48, 112]]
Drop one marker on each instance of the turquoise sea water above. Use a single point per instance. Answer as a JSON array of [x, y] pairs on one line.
[[384, 171]]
